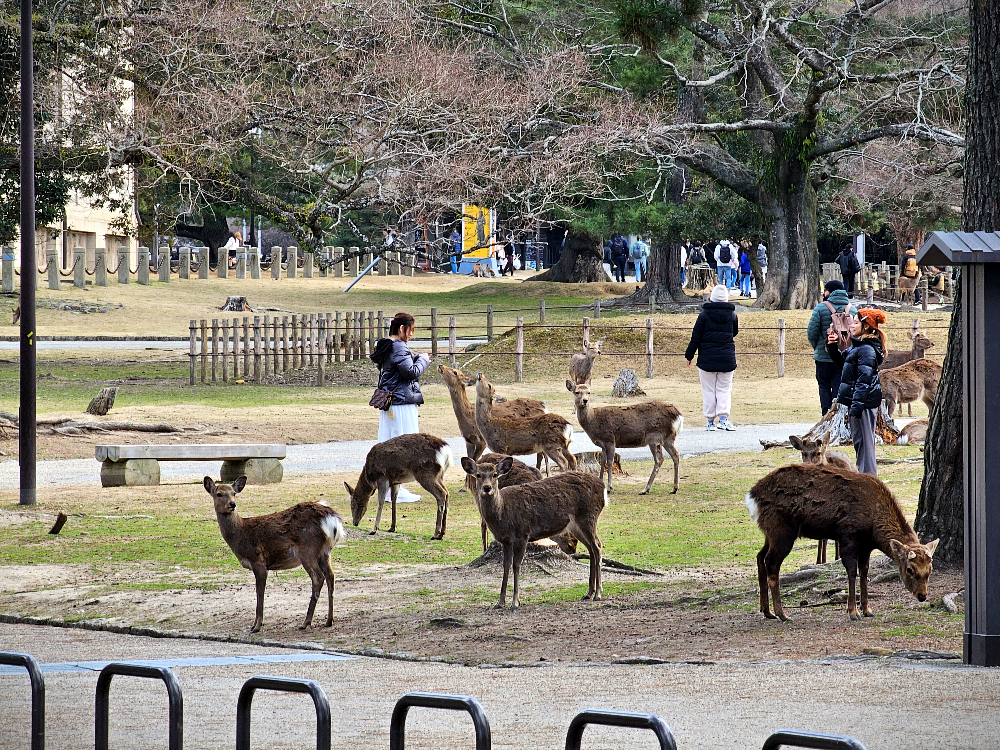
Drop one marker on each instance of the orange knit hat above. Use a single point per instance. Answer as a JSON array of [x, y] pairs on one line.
[[873, 317]]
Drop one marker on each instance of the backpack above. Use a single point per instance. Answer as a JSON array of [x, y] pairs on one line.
[[910, 269], [636, 251], [841, 325], [696, 256], [619, 246], [724, 254]]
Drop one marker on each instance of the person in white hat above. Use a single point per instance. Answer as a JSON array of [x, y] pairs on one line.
[[712, 339]]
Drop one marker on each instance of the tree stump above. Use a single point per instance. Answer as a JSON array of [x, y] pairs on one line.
[[236, 303], [836, 426], [626, 385], [101, 403], [700, 277]]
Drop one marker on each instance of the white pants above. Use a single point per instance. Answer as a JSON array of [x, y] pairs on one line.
[[716, 393], [398, 420]]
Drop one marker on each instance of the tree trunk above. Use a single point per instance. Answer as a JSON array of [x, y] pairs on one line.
[[582, 260], [941, 509], [102, 403], [793, 271]]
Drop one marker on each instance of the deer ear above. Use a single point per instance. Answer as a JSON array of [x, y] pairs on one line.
[[239, 484], [570, 386], [796, 442], [909, 335], [824, 439], [504, 465], [209, 485], [898, 550], [469, 465], [350, 490], [931, 546]]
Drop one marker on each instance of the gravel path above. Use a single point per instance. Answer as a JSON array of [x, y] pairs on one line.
[[885, 703], [349, 455]]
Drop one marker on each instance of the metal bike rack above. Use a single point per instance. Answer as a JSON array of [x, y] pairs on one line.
[[175, 701], [655, 724], [282, 685], [13, 659], [397, 726], [813, 740]]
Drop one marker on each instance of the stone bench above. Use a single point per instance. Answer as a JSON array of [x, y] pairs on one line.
[[139, 465]]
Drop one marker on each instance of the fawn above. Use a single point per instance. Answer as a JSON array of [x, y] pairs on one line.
[[582, 363], [301, 535]]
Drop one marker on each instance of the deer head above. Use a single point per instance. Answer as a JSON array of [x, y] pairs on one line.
[[359, 501], [454, 378], [486, 477], [484, 389], [813, 451], [581, 393], [920, 340], [593, 348], [914, 561], [224, 495]]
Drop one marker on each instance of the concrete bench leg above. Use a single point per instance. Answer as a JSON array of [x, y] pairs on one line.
[[256, 470], [136, 472]]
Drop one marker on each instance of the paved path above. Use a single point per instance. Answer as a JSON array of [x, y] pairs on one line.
[[887, 704], [349, 455]]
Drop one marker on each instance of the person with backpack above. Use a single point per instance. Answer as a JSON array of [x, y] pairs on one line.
[[639, 253], [860, 389], [762, 261], [455, 248], [619, 255], [723, 256], [835, 303], [712, 339], [746, 273], [697, 255], [849, 266]]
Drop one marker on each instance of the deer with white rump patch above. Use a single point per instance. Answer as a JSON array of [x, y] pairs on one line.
[[522, 436], [815, 452], [571, 501], [405, 458], [653, 423], [302, 535], [858, 510], [581, 364]]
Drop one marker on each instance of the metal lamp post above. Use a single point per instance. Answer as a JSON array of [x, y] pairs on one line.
[[26, 421]]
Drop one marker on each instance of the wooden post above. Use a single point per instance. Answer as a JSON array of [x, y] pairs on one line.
[[597, 309], [285, 345], [312, 339], [295, 342], [519, 352], [923, 293], [434, 333], [225, 350], [266, 348], [215, 349], [258, 374], [915, 329], [586, 332], [371, 331], [336, 337], [362, 339], [276, 351], [649, 347], [541, 311], [193, 330], [380, 332], [246, 347], [781, 347], [452, 341], [236, 348], [204, 350], [489, 323], [652, 303], [321, 355]]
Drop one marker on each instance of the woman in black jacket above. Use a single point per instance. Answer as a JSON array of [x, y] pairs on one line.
[[860, 390], [712, 339]]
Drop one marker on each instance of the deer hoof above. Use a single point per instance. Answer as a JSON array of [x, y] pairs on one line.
[[644, 492], [371, 533], [855, 616], [769, 616], [391, 529], [674, 490], [869, 613], [784, 618], [255, 629]]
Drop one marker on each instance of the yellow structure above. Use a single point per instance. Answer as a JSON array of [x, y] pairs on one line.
[[478, 226]]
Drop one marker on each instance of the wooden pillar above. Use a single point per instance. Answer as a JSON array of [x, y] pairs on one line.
[[371, 331], [295, 343], [489, 323], [193, 352], [236, 348], [246, 347], [265, 350], [649, 347], [336, 336], [276, 350], [225, 350], [541, 311], [519, 352], [329, 336], [204, 350], [321, 354], [923, 293], [434, 333], [258, 373], [215, 349], [597, 309], [452, 341], [286, 363], [781, 347]]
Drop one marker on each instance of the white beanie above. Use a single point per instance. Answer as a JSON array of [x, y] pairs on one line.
[[720, 294]]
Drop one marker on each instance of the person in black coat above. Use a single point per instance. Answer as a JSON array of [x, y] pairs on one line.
[[619, 255], [712, 339], [860, 389], [849, 267]]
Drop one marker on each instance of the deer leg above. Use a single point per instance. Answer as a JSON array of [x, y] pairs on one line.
[[765, 604], [519, 550], [383, 490], [607, 460], [821, 552], [508, 557], [483, 525], [568, 458], [776, 555], [836, 549], [394, 495], [909, 408], [863, 560], [317, 577], [675, 456], [851, 565], [657, 452], [440, 493], [331, 584], [260, 577]]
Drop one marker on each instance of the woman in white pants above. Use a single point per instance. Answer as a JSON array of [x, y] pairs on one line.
[[712, 339]]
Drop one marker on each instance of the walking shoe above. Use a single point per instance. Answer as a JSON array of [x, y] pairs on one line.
[[725, 424], [710, 427]]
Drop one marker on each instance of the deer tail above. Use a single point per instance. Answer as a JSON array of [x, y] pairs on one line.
[[333, 527]]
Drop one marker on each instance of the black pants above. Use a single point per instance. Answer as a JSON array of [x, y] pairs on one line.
[[620, 262], [828, 377], [849, 282]]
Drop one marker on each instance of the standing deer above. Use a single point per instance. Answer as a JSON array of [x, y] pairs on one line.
[[302, 535], [653, 423], [858, 510], [897, 357], [524, 513], [405, 458], [815, 452], [906, 286], [582, 363], [521, 436], [917, 379]]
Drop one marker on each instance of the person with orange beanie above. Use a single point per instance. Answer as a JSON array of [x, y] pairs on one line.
[[860, 390]]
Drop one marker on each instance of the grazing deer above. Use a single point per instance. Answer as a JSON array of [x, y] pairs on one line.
[[465, 412], [405, 458], [915, 433], [897, 357], [581, 364], [917, 379], [818, 502], [543, 433], [524, 513], [301, 535], [815, 452], [653, 423]]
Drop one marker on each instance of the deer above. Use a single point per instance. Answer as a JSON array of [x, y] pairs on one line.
[[858, 510], [582, 363], [917, 379], [456, 382], [653, 423], [520, 436], [915, 433], [404, 458], [897, 357], [815, 452], [304, 534], [571, 501], [905, 286]]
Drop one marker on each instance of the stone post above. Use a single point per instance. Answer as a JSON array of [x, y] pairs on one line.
[[393, 263], [324, 261], [8, 270], [143, 273], [123, 264], [52, 260], [253, 260], [352, 263], [293, 262], [307, 269], [275, 262], [338, 267], [409, 262], [79, 266], [241, 262], [100, 267], [164, 261], [184, 263], [203, 268], [222, 270]]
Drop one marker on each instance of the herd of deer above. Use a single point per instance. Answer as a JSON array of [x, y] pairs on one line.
[[821, 498]]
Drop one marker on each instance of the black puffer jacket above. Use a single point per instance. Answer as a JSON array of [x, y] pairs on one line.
[[400, 369], [859, 385], [712, 337]]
